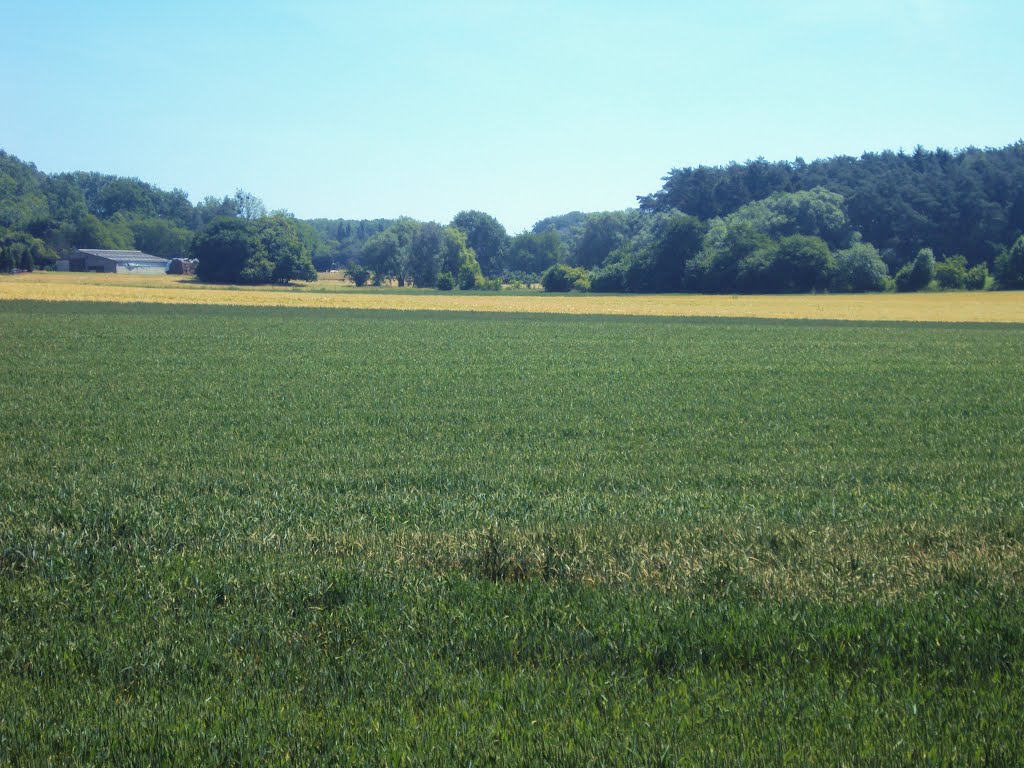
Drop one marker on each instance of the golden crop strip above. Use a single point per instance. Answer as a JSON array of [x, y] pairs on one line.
[[961, 307]]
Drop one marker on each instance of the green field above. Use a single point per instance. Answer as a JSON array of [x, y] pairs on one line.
[[244, 535]]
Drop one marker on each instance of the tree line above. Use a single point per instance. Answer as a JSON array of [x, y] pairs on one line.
[[895, 220]]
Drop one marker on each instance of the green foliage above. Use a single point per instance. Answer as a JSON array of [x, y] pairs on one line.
[[918, 274], [534, 253], [236, 250], [486, 237], [777, 245], [964, 202], [951, 273], [357, 273], [656, 258], [161, 237], [977, 278], [568, 227], [223, 248], [21, 251], [802, 263], [445, 281], [382, 254], [609, 279], [22, 197], [278, 237], [1010, 267], [490, 284], [427, 248], [468, 277], [561, 278], [816, 212], [858, 269], [727, 246], [603, 233], [668, 542]]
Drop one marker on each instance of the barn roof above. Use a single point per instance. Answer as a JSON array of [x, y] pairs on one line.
[[123, 256]]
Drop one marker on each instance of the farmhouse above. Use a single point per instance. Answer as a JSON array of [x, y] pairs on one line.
[[131, 262]]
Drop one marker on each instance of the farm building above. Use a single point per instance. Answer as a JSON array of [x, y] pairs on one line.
[[130, 262]]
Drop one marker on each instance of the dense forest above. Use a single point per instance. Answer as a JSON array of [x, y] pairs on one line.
[[888, 220]]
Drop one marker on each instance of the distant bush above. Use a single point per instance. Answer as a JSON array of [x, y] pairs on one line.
[[523, 278], [1010, 266], [492, 284], [357, 273], [21, 251], [858, 269], [469, 275], [445, 281], [560, 278], [916, 275], [951, 273], [609, 279], [977, 278]]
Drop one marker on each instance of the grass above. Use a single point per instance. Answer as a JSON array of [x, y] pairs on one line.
[[980, 307], [237, 535]]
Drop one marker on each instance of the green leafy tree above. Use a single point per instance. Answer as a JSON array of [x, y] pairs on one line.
[[918, 274], [602, 233], [656, 259], [457, 257], [357, 273], [468, 277], [381, 254], [269, 250], [22, 197], [445, 281], [716, 269], [428, 246], [534, 253], [802, 263], [610, 278], [115, 234], [248, 206], [8, 261], [562, 278], [977, 278], [224, 248], [1010, 267], [859, 269], [486, 236], [951, 272], [279, 243], [161, 237]]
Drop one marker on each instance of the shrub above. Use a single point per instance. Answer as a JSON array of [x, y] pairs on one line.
[[560, 278], [951, 273], [468, 277], [609, 279], [493, 284], [357, 273], [859, 269], [916, 275], [1010, 266], [976, 278], [445, 281]]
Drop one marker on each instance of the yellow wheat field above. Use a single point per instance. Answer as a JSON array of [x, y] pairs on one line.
[[983, 307]]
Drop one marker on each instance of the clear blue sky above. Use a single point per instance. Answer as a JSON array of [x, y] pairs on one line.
[[522, 109]]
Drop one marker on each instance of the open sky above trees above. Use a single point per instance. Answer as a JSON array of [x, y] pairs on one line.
[[524, 110]]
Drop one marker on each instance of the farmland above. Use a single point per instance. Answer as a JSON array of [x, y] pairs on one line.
[[980, 307], [241, 533]]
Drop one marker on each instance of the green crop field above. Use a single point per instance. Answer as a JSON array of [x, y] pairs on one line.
[[237, 535]]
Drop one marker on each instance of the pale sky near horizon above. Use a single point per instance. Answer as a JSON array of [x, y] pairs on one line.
[[521, 109]]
